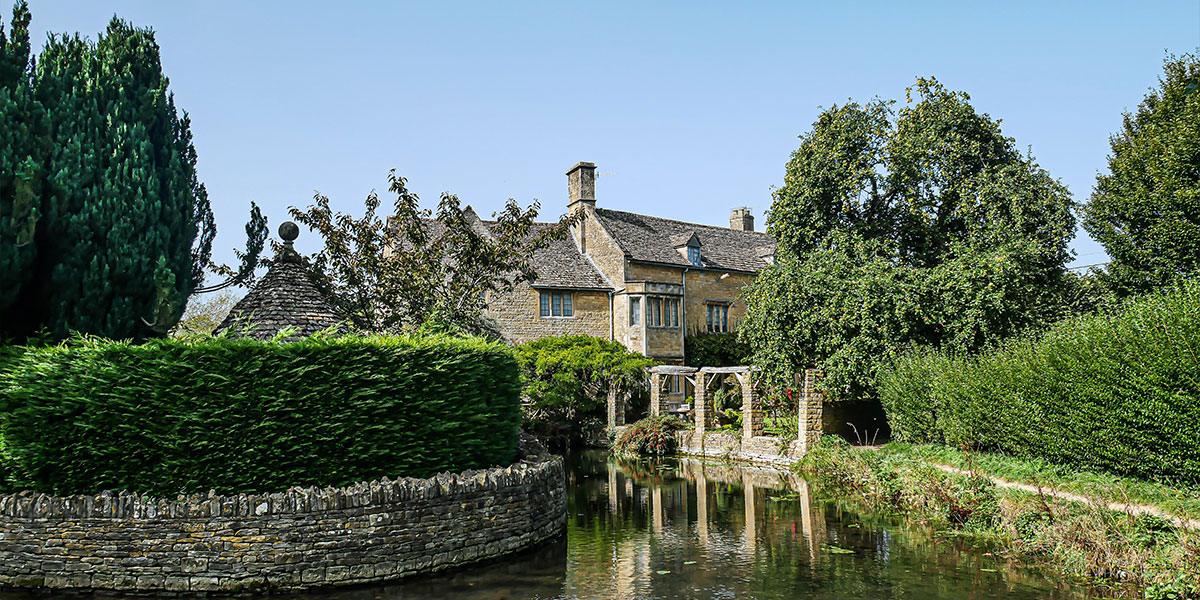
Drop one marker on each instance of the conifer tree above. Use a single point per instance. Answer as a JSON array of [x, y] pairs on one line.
[[21, 154], [105, 226]]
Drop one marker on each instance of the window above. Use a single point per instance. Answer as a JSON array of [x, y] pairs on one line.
[[718, 318], [694, 255], [662, 312], [676, 384], [635, 311], [556, 304]]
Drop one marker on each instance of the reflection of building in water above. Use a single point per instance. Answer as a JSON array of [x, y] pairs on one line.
[[702, 509]]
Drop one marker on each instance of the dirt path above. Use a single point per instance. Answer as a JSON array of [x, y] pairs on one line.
[[1136, 509]]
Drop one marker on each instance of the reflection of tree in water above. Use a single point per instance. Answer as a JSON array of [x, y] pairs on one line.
[[621, 534]]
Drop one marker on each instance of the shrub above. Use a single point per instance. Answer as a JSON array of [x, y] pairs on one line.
[[175, 416], [569, 376], [1116, 392], [652, 435], [715, 350]]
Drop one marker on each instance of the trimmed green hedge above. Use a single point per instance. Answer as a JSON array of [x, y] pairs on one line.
[[174, 416], [1116, 392]]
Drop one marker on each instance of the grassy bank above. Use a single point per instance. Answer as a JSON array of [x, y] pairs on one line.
[[1142, 552]]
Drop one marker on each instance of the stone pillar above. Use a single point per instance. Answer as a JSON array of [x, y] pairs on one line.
[[657, 401], [616, 407], [810, 410], [752, 413], [704, 404]]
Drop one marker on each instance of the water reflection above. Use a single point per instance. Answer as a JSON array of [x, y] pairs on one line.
[[692, 529]]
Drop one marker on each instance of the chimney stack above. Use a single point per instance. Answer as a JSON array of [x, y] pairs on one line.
[[581, 186], [741, 219], [581, 189]]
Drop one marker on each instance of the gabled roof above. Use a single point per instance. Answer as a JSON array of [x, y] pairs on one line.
[[687, 238], [284, 297], [561, 265], [653, 239]]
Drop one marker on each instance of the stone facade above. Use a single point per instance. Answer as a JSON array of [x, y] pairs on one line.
[[302, 538], [641, 259], [518, 312]]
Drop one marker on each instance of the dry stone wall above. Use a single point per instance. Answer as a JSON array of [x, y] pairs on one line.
[[302, 538]]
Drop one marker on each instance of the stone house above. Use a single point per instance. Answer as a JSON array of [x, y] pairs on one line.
[[642, 280]]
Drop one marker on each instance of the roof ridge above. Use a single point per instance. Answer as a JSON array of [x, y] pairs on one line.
[[690, 223]]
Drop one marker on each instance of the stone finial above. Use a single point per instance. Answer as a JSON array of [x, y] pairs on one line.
[[288, 232]]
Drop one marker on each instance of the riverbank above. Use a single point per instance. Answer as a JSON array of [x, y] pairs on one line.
[[1142, 551]]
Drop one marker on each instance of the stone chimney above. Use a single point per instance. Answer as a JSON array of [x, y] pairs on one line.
[[581, 189], [581, 186], [741, 219]]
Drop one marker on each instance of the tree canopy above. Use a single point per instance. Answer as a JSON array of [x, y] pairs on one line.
[[922, 225], [105, 227], [420, 268], [1146, 210]]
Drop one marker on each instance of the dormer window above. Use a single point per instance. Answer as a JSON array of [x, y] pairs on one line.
[[688, 245]]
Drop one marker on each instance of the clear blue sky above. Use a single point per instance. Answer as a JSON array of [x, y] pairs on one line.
[[688, 109]]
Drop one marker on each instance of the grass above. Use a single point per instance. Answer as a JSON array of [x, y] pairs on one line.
[[1131, 555], [1182, 501]]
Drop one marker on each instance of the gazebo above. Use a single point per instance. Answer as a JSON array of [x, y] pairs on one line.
[[284, 298]]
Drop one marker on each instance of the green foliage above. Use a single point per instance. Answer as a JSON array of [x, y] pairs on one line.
[[923, 225], [1146, 210], [418, 266], [23, 149], [1078, 538], [1115, 392], [104, 227], [653, 436], [715, 350], [175, 416], [565, 377]]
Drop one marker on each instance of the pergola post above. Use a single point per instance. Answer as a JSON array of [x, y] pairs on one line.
[[752, 413], [616, 407], [657, 401], [811, 410], [704, 403]]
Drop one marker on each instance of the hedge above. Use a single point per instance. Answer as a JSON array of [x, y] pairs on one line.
[[175, 416], [1118, 392], [715, 350]]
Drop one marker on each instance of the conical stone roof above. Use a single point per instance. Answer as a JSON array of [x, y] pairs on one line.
[[283, 298]]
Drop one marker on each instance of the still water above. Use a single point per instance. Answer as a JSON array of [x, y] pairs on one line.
[[690, 529]]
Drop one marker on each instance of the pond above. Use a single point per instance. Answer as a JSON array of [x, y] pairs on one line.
[[690, 529], [686, 528]]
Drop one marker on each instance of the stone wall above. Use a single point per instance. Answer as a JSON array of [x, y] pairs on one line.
[[519, 315], [302, 538]]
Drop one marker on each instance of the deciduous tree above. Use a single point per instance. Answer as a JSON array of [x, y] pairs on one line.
[[421, 268], [894, 227], [1146, 210]]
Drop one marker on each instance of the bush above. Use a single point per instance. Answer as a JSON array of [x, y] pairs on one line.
[[715, 350], [1115, 392], [652, 435], [175, 416], [568, 377]]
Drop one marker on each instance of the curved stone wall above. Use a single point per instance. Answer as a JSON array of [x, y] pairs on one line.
[[302, 538]]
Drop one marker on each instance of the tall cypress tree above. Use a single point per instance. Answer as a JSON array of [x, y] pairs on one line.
[[22, 153], [124, 228]]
